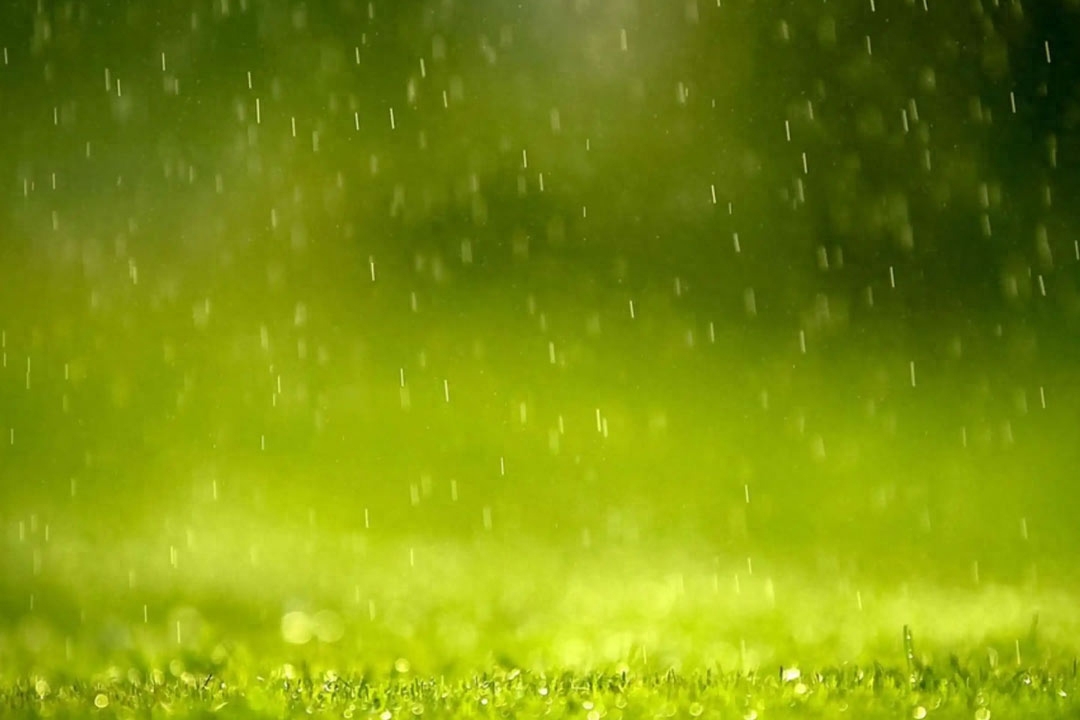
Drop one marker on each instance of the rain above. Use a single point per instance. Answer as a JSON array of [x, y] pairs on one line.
[[441, 336]]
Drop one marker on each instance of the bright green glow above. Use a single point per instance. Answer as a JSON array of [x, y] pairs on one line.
[[633, 632], [435, 339], [451, 606]]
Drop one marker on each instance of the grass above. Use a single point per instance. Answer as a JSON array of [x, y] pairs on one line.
[[289, 622], [957, 690]]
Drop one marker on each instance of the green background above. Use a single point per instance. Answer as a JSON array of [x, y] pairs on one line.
[[556, 330]]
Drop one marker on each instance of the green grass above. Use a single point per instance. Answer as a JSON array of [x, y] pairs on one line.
[[219, 689], [338, 625]]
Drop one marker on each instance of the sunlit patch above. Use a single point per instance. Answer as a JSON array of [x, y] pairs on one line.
[[328, 626], [297, 627]]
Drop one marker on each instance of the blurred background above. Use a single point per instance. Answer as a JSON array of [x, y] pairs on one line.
[[301, 299]]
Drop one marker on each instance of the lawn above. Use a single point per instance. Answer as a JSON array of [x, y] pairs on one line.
[[342, 626]]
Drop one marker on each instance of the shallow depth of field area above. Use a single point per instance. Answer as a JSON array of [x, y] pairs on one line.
[[596, 359]]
